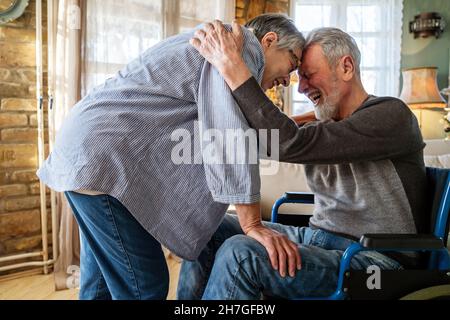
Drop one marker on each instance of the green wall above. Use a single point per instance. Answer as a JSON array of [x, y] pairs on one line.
[[428, 52]]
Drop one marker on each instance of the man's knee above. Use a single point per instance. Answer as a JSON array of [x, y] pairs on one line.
[[238, 248]]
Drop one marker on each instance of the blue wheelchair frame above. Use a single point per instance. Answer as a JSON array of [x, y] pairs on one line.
[[434, 243]]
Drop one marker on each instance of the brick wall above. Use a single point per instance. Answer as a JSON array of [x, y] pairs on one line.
[[248, 9], [19, 186]]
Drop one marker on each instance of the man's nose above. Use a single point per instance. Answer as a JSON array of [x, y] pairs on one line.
[[302, 85]]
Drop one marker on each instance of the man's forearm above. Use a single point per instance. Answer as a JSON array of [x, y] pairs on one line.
[[249, 216]]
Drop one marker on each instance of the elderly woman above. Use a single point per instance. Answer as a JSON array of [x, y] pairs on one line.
[[133, 186]]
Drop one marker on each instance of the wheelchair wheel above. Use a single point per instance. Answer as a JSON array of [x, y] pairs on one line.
[[431, 293]]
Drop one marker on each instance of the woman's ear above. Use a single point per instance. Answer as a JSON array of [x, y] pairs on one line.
[[270, 39]]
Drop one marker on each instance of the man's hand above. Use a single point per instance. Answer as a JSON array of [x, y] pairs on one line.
[[283, 253], [223, 50]]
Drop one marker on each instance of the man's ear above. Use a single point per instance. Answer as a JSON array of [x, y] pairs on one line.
[[347, 66], [270, 39]]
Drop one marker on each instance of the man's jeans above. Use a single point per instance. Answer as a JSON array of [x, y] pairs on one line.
[[119, 259], [234, 266]]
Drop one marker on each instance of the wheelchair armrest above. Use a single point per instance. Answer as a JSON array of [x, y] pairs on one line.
[[401, 241], [299, 196]]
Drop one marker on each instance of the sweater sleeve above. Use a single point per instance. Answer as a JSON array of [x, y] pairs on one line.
[[380, 129]]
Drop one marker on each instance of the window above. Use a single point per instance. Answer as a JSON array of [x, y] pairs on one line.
[[115, 34], [376, 25], [118, 32]]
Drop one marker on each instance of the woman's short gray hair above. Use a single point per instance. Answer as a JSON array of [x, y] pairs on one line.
[[288, 35], [335, 44]]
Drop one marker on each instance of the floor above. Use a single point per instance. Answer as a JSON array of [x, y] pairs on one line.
[[41, 287]]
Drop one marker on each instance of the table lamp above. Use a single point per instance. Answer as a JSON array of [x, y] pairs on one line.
[[420, 90]]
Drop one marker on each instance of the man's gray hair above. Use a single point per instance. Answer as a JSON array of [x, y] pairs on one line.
[[335, 44], [288, 35]]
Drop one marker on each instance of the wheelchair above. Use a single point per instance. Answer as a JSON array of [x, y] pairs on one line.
[[429, 282]]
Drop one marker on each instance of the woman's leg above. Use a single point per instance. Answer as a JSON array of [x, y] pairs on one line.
[[129, 259], [194, 274], [92, 283]]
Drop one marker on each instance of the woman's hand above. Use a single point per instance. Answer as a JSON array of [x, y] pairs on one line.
[[283, 253], [223, 49], [219, 46]]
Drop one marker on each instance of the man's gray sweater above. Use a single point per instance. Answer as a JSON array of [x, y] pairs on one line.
[[367, 171]]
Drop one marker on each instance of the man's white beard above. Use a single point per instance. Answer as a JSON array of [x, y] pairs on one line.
[[328, 109], [325, 111]]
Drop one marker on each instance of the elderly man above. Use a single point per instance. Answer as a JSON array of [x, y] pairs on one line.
[[363, 161], [116, 159]]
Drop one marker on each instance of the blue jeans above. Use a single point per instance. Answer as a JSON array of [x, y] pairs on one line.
[[119, 259], [236, 267]]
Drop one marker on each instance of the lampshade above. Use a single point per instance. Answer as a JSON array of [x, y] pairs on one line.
[[420, 89]]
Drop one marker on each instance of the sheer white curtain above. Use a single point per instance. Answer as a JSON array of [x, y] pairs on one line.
[[64, 60], [376, 26], [116, 32], [119, 31]]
